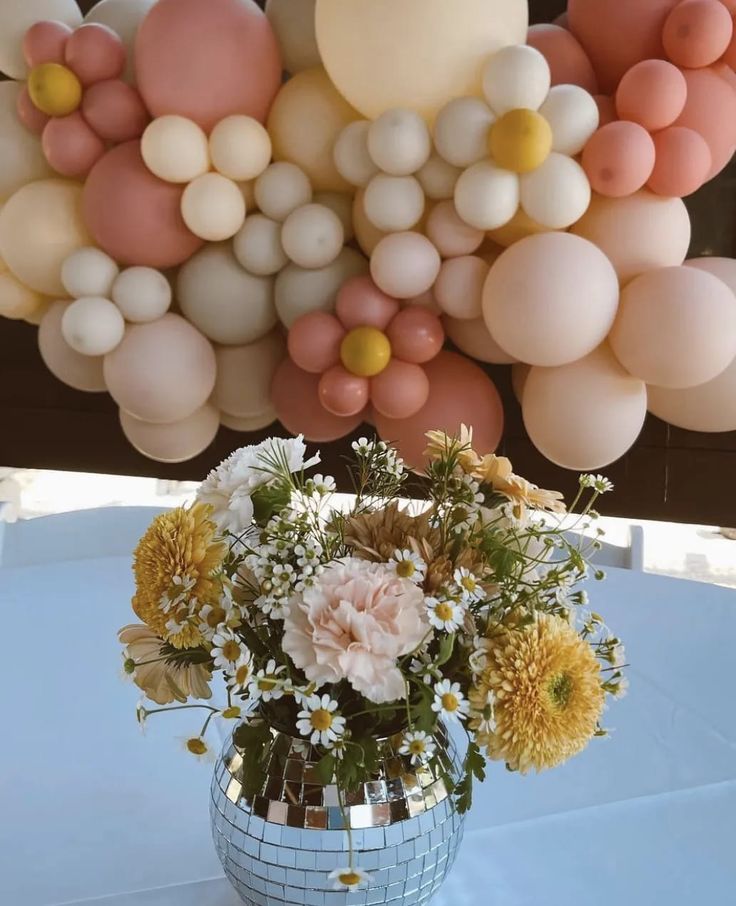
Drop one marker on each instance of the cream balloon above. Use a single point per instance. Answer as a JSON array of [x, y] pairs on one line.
[[79, 371], [93, 326], [17, 301], [487, 197], [439, 55], [557, 194], [299, 291], [281, 189], [474, 339], [240, 148], [393, 203], [519, 374], [461, 131], [40, 226], [450, 234], [123, 17], [340, 203], [213, 207], [252, 423], [405, 265], [175, 149], [399, 142], [142, 294], [38, 313], [295, 27], [516, 77], [89, 272], [21, 153], [312, 236], [244, 375], [367, 235], [573, 116], [723, 268], [459, 287], [172, 442], [17, 16], [229, 305], [584, 415], [351, 155], [438, 178], [258, 248], [709, 407]]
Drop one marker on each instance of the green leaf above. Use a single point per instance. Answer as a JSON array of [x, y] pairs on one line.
[[325, 768], [252, 739], [268, 500], [474, 767], [447, 646]]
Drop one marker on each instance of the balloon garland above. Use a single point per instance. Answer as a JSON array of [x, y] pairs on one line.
[[217, 244]]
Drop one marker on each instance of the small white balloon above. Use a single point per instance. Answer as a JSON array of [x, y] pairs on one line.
[[393, 203], [399, 142], [258, 248], [213, 207], [240, 148], [438, 178], [557, 194], [282, 188], [351, 155], [405, 265], [89, 272], [142, 294], [299, 291], [461, 131], [516, 76], [175, 149], [342, 205], [312, 236], [573, 116], [93, 326], [487, 197]]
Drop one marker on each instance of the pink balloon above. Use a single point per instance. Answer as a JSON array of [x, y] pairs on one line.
[[29, 114], [134, 216], [697, 33], [568, 62], [115, 111], [207, 60], [416, 335], [711, 111], [652, 94], [297, 404], [619, 159], [360, 303], [70, 146], [683, 162], [449, 232], [83, 372], [95, 53], [606, 109], [45, 42], [459, 393], [314, 341], [343, 393], [400, 390], [459, 287]]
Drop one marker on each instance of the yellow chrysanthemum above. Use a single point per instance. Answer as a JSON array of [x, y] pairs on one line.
[[546, 687], [176, 559]]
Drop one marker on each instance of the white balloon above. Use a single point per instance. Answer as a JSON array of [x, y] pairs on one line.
[[213, 207], [299, 290], [294, 24], [244, 375], [175, 149], [123, 17], [557, 194], [487, 197], [461, 131], [142, 294], [257, 246], [351, 155], [312, 236], [93, 326], [399, 142], [17, 16], [405, 265], [229, 305], [176, 441], [20, 151], [240, 148], [89, 272], [438, 178], [342, 205], [393, 203], [253, 423], [573, 116], [516, 76], [282, 188]]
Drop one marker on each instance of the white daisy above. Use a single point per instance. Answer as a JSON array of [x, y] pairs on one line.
[[268, 684], [483, 720], [446, 614], [449, 701], [232, 712], [197, 746], [211, 619], [227, 649], [177, 593], [349, 878], [242, 673], [319, 721], [468, 584], [409, 565], [419, 745], [423, 667], [599, 483]]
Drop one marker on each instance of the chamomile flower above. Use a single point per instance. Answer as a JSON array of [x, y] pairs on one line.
[[177, 592], [227, 649], [362, 446], [242, 673], [420, 746], [449, 701], [423, 667], [211, 617], [308, 554], [274, 606], [409, 565], [322, 485], [141, 715], [468, 584], [618, 655], [445, 614], [349, 878], [197, 746], [319, 721], [231, 713], [599, 483], [268, 684], [622, 688]]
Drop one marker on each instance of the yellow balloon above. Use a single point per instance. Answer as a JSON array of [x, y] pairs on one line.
[[40, 226], [54, 89], [306, 118], [365, 351], [417, 54], [520, 141], [519, 227]]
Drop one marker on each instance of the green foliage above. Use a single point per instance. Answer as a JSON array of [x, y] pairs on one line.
[[474, 766], [251, 739]]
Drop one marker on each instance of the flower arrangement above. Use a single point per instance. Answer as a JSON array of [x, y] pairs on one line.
[[343, 623]]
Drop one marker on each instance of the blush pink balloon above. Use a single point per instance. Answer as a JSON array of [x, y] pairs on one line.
[[697, 33], [94, 53], [296, 401], [400, 390], [70, 146], [115, 111], [29, 114], [314, 341], [416, 335], [459, 287], [619, 159], [683, 162], [652, 94], [134, 216], [711, 111], [45, 42], [568, 62], [360, 303], [206, 61], [343, 393], [83, 372], [450, 234], [459, 393]]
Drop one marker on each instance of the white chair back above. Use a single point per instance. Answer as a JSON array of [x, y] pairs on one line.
[[629, 556]]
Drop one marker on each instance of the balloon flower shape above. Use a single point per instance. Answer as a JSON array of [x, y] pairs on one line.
[[518, 145], [370, 351], [74, 97]]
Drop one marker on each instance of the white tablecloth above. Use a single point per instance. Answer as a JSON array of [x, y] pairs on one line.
[[92, 811]]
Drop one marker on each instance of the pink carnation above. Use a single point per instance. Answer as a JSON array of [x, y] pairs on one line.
[[354, 624]]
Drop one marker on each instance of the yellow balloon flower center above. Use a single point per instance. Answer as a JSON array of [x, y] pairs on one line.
[[365, 351], [54, 89], [521, 140]]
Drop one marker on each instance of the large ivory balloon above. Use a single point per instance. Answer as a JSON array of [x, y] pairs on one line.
[[244, 375], [82, 372], [17, 301], [17, 16], [306, 119], [550, 299], [417, 54], [20, 151], [474, 339], [163, 371], [709, 407], [638, 233], [229, 305], [123, 17], [40, 226], [584, 415], [300, 290], [176, 441], [293, 22]]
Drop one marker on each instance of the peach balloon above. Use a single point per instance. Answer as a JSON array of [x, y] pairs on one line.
[[70, 146], [584, 415], [459, 287], [342, 393], [174, 442], [697, 33], [676, 327], [550, 299], [314, 341], [405, 264], [45, 42], [162, 371], [450, 234], [400, 390], [416, 335], [619, 159], [638, 233], [29, 115], [115, 111], [459, 393], [475, 340], [95, 53], [711, 111], [652, 93], [519, 375], [244, 375], [82, 372], [519, 227], [360, 303], [568, 62], [709, 407], [683, 162]]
